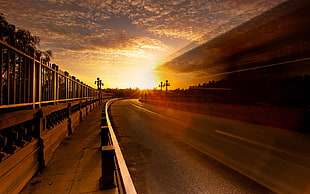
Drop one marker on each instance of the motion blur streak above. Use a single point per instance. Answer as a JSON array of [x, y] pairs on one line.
[[276, 158]]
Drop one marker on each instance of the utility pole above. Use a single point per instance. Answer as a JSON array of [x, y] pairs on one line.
[[99, 84]]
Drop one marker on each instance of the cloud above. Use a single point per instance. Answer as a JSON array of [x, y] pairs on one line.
[[190, 20], [117, 31]]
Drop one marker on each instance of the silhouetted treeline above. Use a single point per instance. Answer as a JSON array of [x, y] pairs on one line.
[[23, 40], [285, 91], [278, 91], [223, 83], [124, 93]]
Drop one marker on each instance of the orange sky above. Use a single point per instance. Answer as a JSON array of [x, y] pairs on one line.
[[124, 41]]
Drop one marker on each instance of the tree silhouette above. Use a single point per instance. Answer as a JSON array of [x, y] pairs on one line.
[[22, 39], [47, 55]]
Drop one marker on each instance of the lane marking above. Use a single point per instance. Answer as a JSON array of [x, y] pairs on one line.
[[258, 144], [147, 110]]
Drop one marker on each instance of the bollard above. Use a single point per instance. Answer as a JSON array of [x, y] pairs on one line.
[[107, 180], [104, 133]]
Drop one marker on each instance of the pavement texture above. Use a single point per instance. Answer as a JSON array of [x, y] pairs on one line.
[[162, 156], [76, 163]]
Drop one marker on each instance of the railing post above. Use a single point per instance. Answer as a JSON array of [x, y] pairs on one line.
[[80, 110], [34, 84], [69, 119], [103, 119], [55, 83], [86, 107], [107, 180], [91, 105], [8, 77], [13, 86], [1, 73], [39, 83], [104, 133], [66, 86], [41, 125]]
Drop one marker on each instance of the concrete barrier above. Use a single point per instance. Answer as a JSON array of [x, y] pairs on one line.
[[28, 139]]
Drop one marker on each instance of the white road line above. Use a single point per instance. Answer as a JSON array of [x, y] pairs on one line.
[[147, 110]]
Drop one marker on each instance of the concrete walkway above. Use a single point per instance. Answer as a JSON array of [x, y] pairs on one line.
[[76, 164]]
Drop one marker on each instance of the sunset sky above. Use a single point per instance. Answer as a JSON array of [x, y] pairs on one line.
[[124, 41]]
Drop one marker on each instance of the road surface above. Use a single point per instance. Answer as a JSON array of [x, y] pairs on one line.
[[172, 151]]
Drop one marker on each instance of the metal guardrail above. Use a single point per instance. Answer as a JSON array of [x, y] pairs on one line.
[[113, 163]]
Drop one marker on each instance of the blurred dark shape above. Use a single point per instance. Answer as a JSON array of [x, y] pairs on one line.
[[274, 37], [260, 70]]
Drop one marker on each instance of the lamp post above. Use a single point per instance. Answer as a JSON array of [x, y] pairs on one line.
[[99, 84], [161, 86], [167, 84]]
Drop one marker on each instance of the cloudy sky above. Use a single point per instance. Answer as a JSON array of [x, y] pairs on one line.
[[123, 41]]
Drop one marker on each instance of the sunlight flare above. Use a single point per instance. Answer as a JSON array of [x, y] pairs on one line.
[[144, 78]]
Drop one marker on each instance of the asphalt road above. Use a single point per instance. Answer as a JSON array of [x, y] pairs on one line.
[[172, 151]]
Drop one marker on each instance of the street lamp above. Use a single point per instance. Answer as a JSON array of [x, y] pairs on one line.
[[99, 84], [161, 86], [167, 84]]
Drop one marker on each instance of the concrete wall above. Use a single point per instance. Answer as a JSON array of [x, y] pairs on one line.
[[52, 138], [17, 168]]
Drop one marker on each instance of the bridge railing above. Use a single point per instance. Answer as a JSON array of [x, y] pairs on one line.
[[29, 131], [30, 81]]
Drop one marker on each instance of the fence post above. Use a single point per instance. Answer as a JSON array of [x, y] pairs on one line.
[[66, 85], [13, 87], [69, 119], [103, 119], [1, 79], [34, 90], [80, 110], [8, 77], [55, 83], [104, 134], [86, 103], [91, 105], [40, 126], [39, 83]]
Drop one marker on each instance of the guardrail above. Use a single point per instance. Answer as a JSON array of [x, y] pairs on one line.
[[113, 163]]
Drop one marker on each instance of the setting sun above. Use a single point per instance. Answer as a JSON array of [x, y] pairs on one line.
[[143, 78]]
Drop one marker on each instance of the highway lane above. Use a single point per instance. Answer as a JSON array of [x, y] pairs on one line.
[[167, 152]]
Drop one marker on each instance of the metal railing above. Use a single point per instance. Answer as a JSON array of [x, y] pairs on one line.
[[30, 81]]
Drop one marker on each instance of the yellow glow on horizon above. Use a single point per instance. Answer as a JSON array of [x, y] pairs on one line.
[[143, 78]]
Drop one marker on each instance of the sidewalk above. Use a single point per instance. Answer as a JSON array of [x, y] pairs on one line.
[[76, 164]]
